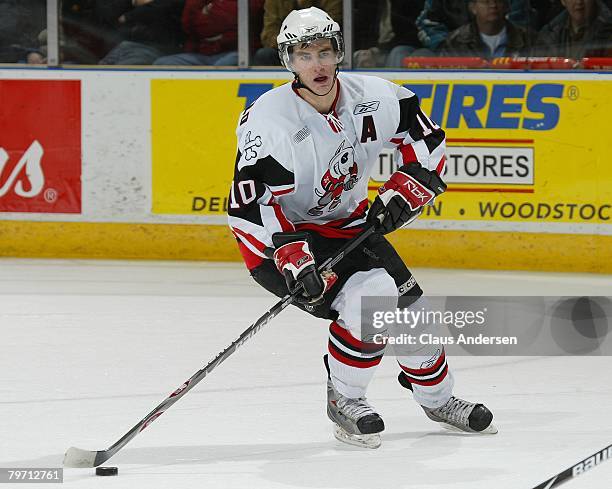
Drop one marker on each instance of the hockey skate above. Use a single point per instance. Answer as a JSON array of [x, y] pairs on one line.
[[355, 421], [458, 415]]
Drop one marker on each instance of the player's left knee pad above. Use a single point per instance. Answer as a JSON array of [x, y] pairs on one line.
[[364, 294]]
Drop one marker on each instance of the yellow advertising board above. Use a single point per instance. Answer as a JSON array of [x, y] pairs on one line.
[[528, 166], [532, 151], [530, 183], [193, 125], [518, 151]]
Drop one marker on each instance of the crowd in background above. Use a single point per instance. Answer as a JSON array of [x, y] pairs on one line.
[[205, 32]]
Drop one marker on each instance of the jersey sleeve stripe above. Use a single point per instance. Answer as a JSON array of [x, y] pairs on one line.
[[251, 259], [258, 232], [441, 165], [282, 191], [259, 236], [271, 223], [251, 242], [408, 154], [280, 216]]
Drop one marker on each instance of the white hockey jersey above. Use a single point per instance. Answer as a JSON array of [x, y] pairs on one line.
[[299, 169]]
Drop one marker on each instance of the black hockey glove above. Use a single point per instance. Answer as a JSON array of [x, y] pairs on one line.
[[295, 261], [401, 199]]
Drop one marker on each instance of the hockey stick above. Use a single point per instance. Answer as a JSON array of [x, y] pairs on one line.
[[578, 469], [76, 457]]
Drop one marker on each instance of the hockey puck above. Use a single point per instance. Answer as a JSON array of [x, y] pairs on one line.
[[104, 471]]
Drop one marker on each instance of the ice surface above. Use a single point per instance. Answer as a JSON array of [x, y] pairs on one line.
[[88, 348]]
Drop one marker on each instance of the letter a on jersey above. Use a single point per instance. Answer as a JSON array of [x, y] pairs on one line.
[[369, 129]]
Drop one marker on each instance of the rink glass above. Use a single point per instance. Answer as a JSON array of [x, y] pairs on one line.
[[85, 38]]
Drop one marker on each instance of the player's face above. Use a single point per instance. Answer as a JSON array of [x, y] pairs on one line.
[[315, 63]]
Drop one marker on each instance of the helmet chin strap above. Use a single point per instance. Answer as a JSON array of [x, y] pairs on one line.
[[299, 84]]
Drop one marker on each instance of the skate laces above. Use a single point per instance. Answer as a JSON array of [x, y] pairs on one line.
[[355, 408], [456, 410]]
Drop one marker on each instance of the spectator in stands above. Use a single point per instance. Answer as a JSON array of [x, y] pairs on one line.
[[489, 34], [84, 39], [385, 31], [406, 38], [149, 29], [544, 11], [211, 33], [21, 21], [439, 17], [275, 12], [583, 29]]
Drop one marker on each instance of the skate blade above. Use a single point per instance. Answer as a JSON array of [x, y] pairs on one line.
[[364, 441], [489, 430]]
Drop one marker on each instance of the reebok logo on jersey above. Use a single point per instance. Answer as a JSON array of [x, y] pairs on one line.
[[366, 107]]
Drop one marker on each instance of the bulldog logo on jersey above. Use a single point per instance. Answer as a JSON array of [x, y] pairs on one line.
[[342, 175]]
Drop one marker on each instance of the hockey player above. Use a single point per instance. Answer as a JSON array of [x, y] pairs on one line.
[[305, 154]]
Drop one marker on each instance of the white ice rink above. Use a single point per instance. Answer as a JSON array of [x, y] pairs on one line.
[[88, 348]]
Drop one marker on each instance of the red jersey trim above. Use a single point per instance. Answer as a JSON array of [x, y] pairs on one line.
[[278, 193], [286, 225], [408, 154], [251, 239], [441, 165], [251, 260]]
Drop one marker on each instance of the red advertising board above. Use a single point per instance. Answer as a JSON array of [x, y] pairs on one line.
[[40, 146]]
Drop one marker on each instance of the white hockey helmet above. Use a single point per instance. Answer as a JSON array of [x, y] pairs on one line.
[[304, 27]]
